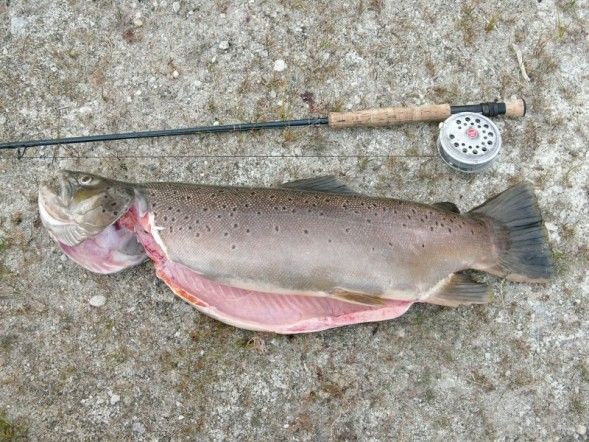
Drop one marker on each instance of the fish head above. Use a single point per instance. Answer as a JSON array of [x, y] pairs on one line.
[[75, 206]]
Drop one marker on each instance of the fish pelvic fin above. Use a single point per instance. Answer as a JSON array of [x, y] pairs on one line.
[[459, 289], [357, 297], [518, 234]]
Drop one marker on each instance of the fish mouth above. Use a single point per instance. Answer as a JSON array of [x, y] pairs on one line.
[[55, 196]]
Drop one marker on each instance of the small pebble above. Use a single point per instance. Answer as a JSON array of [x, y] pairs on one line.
[[279, 65], [176, 6], [97, 301], [138, 428], [581, 429], [224, 45], [138, 22], [114, 399], [175, 74]]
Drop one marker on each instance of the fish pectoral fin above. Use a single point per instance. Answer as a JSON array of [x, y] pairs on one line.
[[328, 183], [460, 289], [450, 207], [357, 297]]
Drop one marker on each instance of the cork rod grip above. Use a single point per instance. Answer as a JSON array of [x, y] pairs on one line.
[[388, 116]]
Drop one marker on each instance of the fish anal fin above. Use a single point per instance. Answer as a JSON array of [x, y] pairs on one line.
[[357, 297], [446, 205], [328, 183], [459, 289]]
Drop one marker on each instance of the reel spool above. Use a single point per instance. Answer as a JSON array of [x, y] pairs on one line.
[[469, 142]]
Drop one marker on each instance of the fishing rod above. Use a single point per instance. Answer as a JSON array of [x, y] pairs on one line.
[[383, 117]]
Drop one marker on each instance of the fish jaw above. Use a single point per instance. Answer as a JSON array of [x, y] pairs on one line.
[[112, 250]]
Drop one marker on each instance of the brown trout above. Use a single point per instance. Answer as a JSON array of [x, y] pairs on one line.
[[308, 255]]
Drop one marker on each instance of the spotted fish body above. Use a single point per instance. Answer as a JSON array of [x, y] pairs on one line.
[[301, 242], [313, 254]]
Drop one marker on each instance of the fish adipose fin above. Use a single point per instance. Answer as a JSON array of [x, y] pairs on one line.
[[450, 207], [357, 297], [328, 183], [460, 289], [519, 235]]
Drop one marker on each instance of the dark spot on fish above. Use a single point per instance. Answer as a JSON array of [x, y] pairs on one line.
[[247, 205], [345, 206], [283, 207], [103, 210], [391, 244], [165, 218], [327, 200], [431, 228], [186, 217], [347, 230], [213, 195], [320, 213], [197, 234], [472, 231], [252, 193], [293, 210], [413, 210], [362, 203], [180, 228], [329, 240], [259, 213], [197, 221], [189, 227], [224, 206], [235, 208], [205, 209], [178, 210], [226, 234], [236, 225], [395, 211], [169, 208], [171, 229], [233, 247], [290, 199], [219, 216], [208, 228], [275, 207], [113, 204], [404, 225], [421, 219], [272, 196], [423, 245], [309, 210], [442, 224], [276, 228], [437, 223], [373, 249], [355, 211], [368, 221], [306, 231], [247, 230]]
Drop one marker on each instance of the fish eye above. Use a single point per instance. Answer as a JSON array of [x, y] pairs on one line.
[[86, 179]]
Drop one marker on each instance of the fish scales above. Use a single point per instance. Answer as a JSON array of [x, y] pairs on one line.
[[298, 241]]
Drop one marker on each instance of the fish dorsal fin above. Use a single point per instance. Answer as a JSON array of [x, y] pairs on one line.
[[457, 289], [328, 183], [450, 207]]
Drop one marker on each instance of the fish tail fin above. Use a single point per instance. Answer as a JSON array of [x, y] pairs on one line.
[[518, 235]]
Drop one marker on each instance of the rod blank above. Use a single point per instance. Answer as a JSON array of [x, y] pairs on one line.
[[516, 107]]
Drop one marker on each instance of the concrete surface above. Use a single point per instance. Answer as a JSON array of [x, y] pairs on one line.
[[147, 366]]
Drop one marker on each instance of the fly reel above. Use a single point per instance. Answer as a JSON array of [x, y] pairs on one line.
[[469, 142]]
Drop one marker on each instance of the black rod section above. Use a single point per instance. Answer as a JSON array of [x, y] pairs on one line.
[[491, 109], [167, 133]]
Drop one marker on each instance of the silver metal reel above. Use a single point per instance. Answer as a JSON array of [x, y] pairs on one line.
[[469, 141]]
